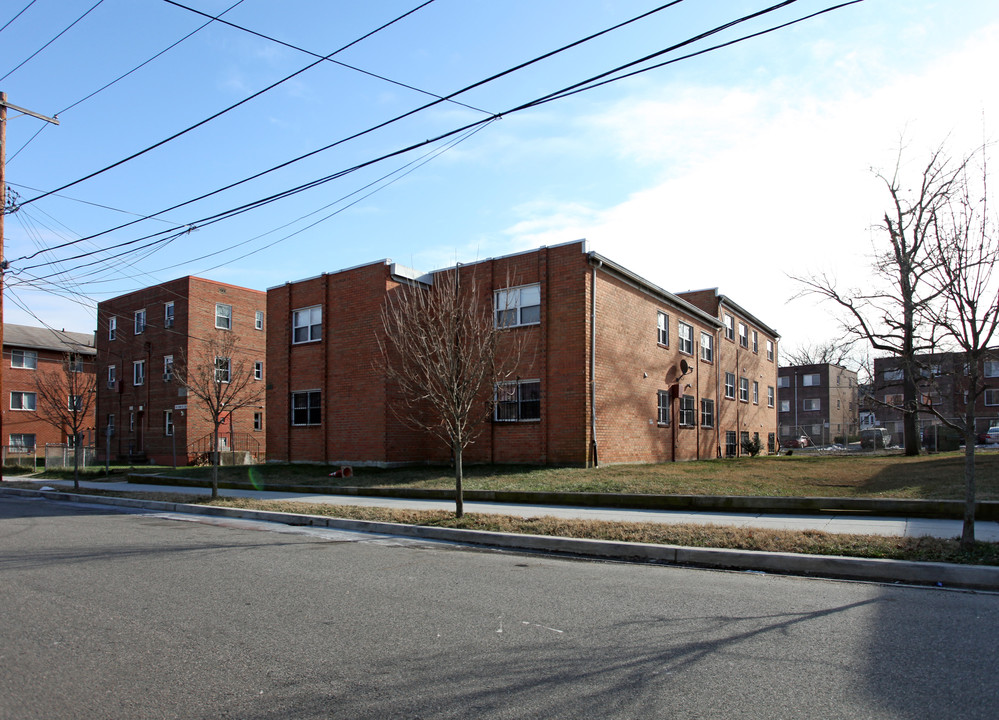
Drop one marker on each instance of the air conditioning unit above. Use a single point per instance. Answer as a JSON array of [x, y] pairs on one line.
[[111, 384], [167, 377], [168, 322]]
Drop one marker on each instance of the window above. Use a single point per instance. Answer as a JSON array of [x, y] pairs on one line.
[[810, 380], [662, 409], [223, 367], [744, 438], [110, 424], [770, 350], [770, 396], [112, 376], [991, 369], [140, 322], [75, 364], [743, 335], [785, 406], [22, 441], [131, 422], [687, 417], [168, 423], [258, 370], [784, 381], [662, 328], [258, 421], [811, 404], [730, 446], [138, 372], [167, 368], [707, 413], [897, 399], [729, 328], [168, 315], [771, 443], [992, 397], [306, 408], [685, 334], [23, 400], [24, 359], [75, 403], [744, 389], [756, 393], [730, 385], [707, 347], [258, 320], [223, 316], [520, 400], [894, 375], [112, 327], [756, 342], [307, 325], [518, 306]]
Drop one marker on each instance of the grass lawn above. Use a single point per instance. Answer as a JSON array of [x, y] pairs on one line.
[[810, 542], [938, 476]]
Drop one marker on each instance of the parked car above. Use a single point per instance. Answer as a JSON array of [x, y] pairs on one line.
[[875, 438], [993, 434]]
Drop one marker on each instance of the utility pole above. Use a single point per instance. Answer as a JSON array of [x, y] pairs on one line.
[[3, 211]]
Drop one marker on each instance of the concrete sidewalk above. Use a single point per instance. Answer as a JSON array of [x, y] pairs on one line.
[[861, 524]]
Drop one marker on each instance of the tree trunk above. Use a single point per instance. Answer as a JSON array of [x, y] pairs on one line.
[[459, 506], [215, 462], [968, 530], [76, 463]]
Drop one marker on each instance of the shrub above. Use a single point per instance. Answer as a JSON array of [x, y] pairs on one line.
[[752, 446]]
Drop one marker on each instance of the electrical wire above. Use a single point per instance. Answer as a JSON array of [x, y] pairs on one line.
[[61, 33], [222, 112], [7, 24], [373, 128]]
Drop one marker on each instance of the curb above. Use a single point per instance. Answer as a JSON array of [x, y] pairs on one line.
[[972, 577]]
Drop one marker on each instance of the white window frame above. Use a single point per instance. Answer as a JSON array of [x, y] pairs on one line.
[[75, 403], [811, 380], [258, 320], [743, 335], [707, 412], [112, 328], [20, 444], [140, 321], [24, 399], [685, 337], [784, 381], [771, 395], [811, 404], [512, 300], [223, 369], [729, 327], [894, 375], [138, 372], [167, 368], [707, 347], [75, 363], [756, 342], [258, 370], [309, 319], [770, 350], [168, 428], [994, 393], [756, 392], [169, 316], [511, 395], [662, 408], [28, 359], [730, 386], [785, 406], [309, 408], [688, 411], [223, 316], [662, 328], [112, 376], [990, 370], [744, 389], [258, 421]]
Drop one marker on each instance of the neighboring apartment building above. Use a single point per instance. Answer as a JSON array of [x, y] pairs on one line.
[[143, 413], [28, 354], [601, 378], [819, 402], [942, 382]]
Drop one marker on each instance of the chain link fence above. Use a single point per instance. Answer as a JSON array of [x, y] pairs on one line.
[[60, 456]]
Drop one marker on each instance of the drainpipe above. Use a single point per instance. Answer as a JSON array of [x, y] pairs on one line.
[[593, 362]]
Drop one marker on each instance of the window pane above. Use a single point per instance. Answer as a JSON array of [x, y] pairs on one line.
[[530, 295], [530, 401], [529, 315]]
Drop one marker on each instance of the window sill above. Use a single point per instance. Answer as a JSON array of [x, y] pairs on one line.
[[524, 420]]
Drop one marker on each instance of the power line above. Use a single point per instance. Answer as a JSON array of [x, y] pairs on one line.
[[371, 129], [61, 33], [218, 114], [7, 24]]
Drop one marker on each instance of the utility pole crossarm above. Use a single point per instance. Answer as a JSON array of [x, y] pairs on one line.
[[12, 106]]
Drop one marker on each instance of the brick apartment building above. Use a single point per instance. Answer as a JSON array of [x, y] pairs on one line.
[[142, 411], [943, 382], [601, 378], [818, 401], [28, 354]]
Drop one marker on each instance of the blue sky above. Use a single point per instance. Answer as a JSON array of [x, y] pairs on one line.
[[732, 169]]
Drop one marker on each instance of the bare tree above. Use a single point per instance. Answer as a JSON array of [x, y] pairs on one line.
[[221, 380], [831, 352], [966, 249], [66, 401], [446, 352], [888, 315]]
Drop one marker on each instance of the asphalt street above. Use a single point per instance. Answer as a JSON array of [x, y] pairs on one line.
[[159, 615], [840, 523]]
